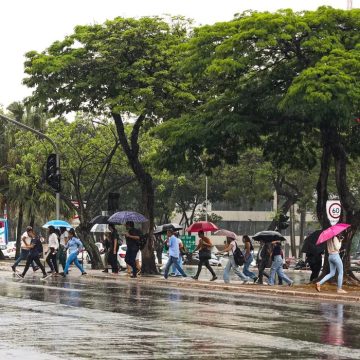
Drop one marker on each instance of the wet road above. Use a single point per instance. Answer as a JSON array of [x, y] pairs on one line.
[[84, 318]]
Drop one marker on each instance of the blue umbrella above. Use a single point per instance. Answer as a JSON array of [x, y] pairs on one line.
[[122, 217], [57, 224]]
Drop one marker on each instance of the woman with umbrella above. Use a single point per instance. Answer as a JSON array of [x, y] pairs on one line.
[[333, 247], [204, 248]]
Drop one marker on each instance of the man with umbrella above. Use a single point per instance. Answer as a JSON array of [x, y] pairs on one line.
[[132, 237]]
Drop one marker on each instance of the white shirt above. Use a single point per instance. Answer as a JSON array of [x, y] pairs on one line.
[[53, 241], [25, 238], [233, 247], [64, 235]]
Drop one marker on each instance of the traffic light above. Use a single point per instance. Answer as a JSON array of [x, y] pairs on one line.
[[52, 178], [283, 222]]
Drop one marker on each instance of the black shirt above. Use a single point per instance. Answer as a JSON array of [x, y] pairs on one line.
[[133, 244], [276, 250], [37, 249], [114, 236]]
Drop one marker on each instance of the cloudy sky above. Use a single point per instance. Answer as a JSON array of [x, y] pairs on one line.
[[34, 24]]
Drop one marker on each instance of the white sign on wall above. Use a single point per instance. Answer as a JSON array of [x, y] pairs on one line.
[[333, 211]]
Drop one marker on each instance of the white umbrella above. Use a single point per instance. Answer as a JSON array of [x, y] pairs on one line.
[[100, 228]]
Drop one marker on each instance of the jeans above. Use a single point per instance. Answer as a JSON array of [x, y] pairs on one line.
[[247, 264], [173, 261], [335, 264], [23, 256], [73, 259], [52, 262], [112, 259], [32, 259], [62, 256], [231, 264], [130, 259], [277, 268], [174, 270]]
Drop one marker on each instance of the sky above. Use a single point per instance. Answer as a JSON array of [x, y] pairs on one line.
[[35, 24]]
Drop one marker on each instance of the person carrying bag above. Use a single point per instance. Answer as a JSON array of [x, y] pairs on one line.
[[204, 248]]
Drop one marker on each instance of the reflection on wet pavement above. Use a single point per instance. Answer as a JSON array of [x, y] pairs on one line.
[[80, 318]]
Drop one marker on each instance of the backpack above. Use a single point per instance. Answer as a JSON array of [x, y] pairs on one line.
[[238, 256], [143, 240]]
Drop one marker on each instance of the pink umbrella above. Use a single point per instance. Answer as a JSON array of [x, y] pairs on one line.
[[226, 233], [202, 226], [331, 232]]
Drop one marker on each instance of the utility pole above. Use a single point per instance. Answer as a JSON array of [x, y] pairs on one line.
[[349, 4], [43, 136]]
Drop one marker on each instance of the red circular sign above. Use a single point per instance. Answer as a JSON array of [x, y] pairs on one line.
[[335, 210]]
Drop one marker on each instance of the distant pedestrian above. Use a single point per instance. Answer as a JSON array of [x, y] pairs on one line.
[[24, 250], [75, 246], [64, 235], [249, 257], [114, 243], [180, 259], [174, 253], [52, 252], [230, 248], [204, 248], [132, 237], [277, 265], [106, 244], [35, 250], [263, 260], [333, 247]]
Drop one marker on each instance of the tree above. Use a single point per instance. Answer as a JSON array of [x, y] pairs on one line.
[[257, 76], [122, 68]]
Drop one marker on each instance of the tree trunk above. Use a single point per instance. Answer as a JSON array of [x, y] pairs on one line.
[[350, 209], [19, 229], [90, 247], [131, 150], [292, 232], [302, 228]]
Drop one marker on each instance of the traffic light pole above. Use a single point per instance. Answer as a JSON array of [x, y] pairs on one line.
[[43, 136]]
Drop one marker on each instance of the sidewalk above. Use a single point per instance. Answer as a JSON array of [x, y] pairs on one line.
[[303, 291]]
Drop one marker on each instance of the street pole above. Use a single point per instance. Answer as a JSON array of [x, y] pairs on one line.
[[43, 136], [206, 198]]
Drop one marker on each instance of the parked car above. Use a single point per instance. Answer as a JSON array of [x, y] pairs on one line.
[[214, 261], [10, 250]]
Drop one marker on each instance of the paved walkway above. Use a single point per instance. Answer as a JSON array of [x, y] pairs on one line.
[[302, 291]]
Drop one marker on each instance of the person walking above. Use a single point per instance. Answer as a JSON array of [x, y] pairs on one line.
[[35, 250], [263, 260], [204, 246], [75, 246], [114, 243], [249, 257], [333, 247], [180, 259], [132, 237], [52, 252], [64, 235], [230, 248], [24, 250], [277, 265], [174, 253]]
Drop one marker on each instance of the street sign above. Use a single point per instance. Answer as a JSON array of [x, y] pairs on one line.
[[189, 242], [333, 211]]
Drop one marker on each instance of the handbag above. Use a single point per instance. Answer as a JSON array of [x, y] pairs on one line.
[[239, 257], [205, 254]]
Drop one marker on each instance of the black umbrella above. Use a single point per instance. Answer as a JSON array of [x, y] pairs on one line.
[[163, 228], [309, 246], [100, 219], [268, 236]]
